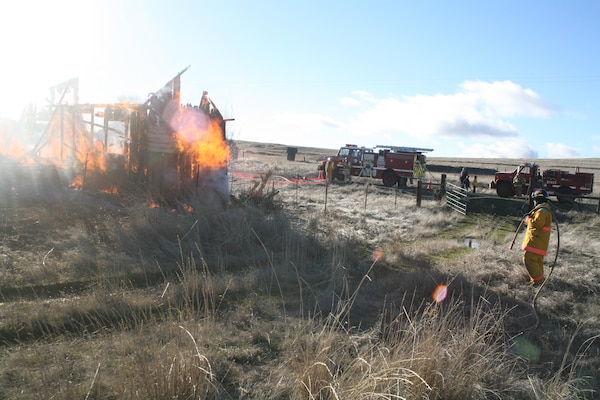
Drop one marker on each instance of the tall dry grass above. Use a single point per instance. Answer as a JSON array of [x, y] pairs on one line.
[[284, 298], [430, 351]]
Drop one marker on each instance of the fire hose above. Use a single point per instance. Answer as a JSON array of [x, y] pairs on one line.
[[552, 265]]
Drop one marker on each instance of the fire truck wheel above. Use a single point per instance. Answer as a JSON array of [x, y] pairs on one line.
[[504, 189], [389, 178], [565, 194]]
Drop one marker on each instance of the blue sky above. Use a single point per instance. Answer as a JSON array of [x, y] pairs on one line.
[[514, 79]]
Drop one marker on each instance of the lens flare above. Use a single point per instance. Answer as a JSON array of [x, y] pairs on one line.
[[440, 293], [377, 253]]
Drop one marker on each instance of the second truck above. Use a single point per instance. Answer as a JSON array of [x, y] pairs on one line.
[[563, 184]]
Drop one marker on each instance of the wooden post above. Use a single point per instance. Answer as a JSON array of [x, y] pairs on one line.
[[84, 171], [107, 115], [326, 188], [126, 132], [443, 186], [73, 145], [366, 193], [419, 187], [92, 125]]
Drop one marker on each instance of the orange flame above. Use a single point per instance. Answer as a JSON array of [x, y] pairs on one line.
[[203, 144], [65, 141], [92, 159]]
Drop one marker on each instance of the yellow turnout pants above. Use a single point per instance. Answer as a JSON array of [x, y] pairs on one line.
[[534, 264]]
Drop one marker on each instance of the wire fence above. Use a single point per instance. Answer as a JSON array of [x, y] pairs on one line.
[[291, 189]]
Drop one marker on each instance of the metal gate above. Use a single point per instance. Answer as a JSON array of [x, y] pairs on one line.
[[457, 198]]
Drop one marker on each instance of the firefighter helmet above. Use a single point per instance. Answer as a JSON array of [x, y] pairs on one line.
[[540, 195]]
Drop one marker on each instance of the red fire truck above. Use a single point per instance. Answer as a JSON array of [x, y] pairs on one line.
[[562, 184], [392, 164]]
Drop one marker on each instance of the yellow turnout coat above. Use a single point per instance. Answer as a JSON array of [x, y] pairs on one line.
[[539, 226]]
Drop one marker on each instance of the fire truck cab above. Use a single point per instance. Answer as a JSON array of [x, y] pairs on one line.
[[353, 154]]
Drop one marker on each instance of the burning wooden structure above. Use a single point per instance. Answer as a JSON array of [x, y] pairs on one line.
[[174, 150]]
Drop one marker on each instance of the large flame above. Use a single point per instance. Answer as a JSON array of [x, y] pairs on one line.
[[62, 140], [92, 160], [200, 140]]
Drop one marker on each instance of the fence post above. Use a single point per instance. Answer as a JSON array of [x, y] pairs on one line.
[[326, 188], [443, 186], [419, 186]]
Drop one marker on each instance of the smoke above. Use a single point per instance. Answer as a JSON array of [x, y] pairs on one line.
[[214, 189], [14, 142], [189, 122]]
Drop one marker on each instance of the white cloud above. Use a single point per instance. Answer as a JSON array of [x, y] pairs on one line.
[[364, 95], [479, 112], [350, 101], [509, 148], [561, 150], [359, 97], [477, 109], [506, 99]]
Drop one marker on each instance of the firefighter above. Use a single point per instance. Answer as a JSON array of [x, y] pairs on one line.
[[539, 180], [329, 168], [205, 103], [518, 183], [537, 236], [346, 171]]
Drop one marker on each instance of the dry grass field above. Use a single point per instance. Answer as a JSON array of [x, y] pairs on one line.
[[294, 289]]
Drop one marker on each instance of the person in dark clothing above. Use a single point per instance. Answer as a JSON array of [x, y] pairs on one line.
[[464, 176]]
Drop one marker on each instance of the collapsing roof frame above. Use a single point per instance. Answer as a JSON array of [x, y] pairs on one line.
[[143, 133]]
